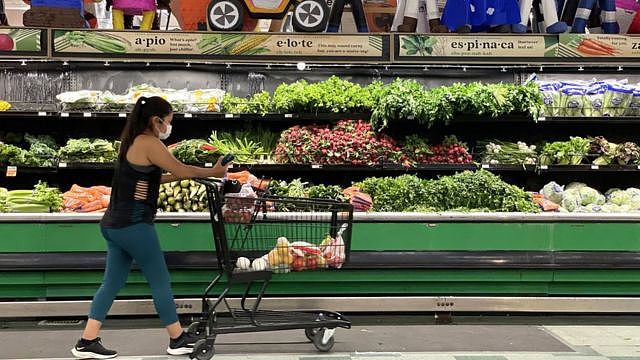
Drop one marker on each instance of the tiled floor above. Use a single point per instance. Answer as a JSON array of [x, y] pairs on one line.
[[562, 342]]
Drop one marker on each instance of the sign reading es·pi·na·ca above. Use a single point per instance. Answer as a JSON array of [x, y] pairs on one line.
[[225, 46], [414, 47]]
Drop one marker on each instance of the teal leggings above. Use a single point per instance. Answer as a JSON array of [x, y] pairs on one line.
[[137, 242]]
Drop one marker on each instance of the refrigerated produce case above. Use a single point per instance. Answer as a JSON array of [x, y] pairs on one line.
[[424, 261]]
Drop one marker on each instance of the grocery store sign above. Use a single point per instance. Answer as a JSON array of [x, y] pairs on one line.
[[416, 48], [23, 42], [618, 47], [221, 46]]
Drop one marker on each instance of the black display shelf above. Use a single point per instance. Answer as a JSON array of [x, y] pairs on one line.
[[317, 117], [589, 168], [590, 120]]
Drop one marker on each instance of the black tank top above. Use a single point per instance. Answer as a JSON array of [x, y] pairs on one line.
[[134, 195]]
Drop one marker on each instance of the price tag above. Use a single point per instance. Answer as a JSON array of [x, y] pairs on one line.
[[485, 166], [64, 114], [188, 115], [595, 167], [122, 115], [62, 165], [87, 114], [12, 171], [230, 166], [288, 116], [316, 166], [42, 113], [544, 167], [542, 118], [208, 165], [228, 116]]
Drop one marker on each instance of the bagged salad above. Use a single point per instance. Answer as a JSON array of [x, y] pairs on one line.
[[617, 99]]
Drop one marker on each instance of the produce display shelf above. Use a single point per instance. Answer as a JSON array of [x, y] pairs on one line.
[[201, 116], [310, 117], [379, 217], [386, 168], [589, 168]]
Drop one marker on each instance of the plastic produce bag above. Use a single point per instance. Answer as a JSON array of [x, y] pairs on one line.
[[594, 101], [239, 207], [334, 252], [572, 101], [617, 99], [634, 105]]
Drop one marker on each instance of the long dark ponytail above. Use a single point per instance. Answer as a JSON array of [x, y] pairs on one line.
[[138, 120]]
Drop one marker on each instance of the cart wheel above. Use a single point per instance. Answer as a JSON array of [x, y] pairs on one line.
[[225, 15], [318, 340], [196, 329], [202, 350], [311, 333], [310, 16]]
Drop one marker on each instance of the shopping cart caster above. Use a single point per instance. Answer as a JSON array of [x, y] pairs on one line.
[[322, 338], [197, 329], [311, 333], [203, 349]]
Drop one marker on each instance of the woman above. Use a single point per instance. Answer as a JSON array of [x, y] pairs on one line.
[[128, 227]]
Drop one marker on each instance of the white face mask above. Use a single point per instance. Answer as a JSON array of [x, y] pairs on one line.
[[165, 135]]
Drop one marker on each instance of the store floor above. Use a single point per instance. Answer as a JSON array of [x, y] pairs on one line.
[[368, 341]]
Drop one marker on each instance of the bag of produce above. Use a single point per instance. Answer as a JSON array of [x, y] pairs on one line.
[[617, 99], [553, 191], [572, 101], [79, 100], [239, 207], [634, 105], [594, 100], [333, 250], [551, 98]]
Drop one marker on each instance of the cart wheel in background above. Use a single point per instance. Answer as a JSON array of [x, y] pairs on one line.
[[311, 333], [310, 16], [225, 15], [320, 343], [196, 329], [202, 350]]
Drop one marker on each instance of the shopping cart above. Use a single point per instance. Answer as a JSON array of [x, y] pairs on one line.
[[280, 234]]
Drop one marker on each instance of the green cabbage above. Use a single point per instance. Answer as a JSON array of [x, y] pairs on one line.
[[553, 192], [571, 200], [575, 185], [589, 195]]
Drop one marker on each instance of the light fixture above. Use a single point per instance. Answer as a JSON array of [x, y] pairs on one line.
[[541, 68], [620, 68], [504, 69], [301, 66], [188, 64], [426, 68], [65, 63], [106, 63], [580, 68], [23, 63]]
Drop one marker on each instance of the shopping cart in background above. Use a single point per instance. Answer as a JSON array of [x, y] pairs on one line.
[[261, 235]]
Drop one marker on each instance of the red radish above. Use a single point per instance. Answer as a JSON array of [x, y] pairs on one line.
[[6, 42]]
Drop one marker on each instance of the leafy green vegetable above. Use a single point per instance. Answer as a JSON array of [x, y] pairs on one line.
[[571, 152], [466, 191], [195, 151], [333, 95], [88, 150]]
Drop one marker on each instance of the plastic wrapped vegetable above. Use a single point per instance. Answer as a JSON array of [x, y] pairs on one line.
[[617, 99], [594, 101], [571, 200], [590, 196], [551, 98], [553, 191], [575, 186], [620, 197], [634, 105], [573, 101]]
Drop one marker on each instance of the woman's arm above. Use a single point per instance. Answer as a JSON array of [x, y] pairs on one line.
[[160, 156]]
